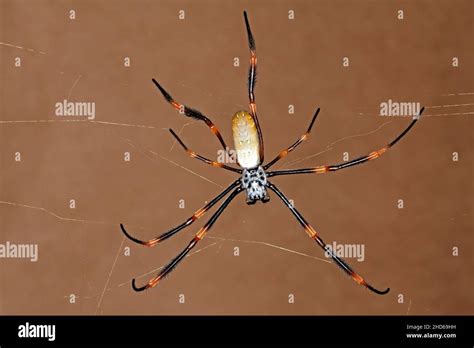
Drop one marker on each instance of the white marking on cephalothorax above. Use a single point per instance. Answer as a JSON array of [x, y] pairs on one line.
[[254, 181]]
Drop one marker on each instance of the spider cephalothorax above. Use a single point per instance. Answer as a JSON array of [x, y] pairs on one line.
[[255, 181], [248, 141]]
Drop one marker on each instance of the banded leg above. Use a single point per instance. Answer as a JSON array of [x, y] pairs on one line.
[[252, 79], [359, 160], [199, 235], [313, 234], [197, 215], [292, 147], [191, 113], [192, 154]]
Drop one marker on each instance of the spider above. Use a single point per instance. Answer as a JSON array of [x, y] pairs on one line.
[[254, 179]]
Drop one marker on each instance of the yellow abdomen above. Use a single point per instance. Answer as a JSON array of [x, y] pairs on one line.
[[245, 140]]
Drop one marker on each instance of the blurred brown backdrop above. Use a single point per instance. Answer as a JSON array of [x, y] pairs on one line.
[[82, 251]]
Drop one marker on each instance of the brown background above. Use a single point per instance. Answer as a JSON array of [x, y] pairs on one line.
[[81, 251]]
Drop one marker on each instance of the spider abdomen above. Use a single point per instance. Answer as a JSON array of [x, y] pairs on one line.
[[246, 140]]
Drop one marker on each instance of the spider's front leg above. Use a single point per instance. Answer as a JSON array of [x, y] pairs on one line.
[[197, 237], [314, 235], [197, 215]]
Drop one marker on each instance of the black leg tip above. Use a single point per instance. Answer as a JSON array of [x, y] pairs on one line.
[[123, 229], [157, 85], [386, 291], [136, 288], [133, 239]]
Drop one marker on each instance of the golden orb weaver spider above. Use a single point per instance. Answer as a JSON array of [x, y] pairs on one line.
[[248, 141]]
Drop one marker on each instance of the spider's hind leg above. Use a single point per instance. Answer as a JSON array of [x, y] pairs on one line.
[[192, 113]]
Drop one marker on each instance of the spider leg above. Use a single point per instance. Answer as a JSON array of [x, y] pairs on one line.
[[191, 113], [292, 147], [198, 236], [198, 214], [192, 154], [359, 160], [314, 235], [252, 79]]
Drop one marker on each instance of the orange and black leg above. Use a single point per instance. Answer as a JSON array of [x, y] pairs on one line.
[[198, 236], [359, 160], [197, 215], [191, 113], [292, 147], [192, 154], [252, 79], [314, 235]]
